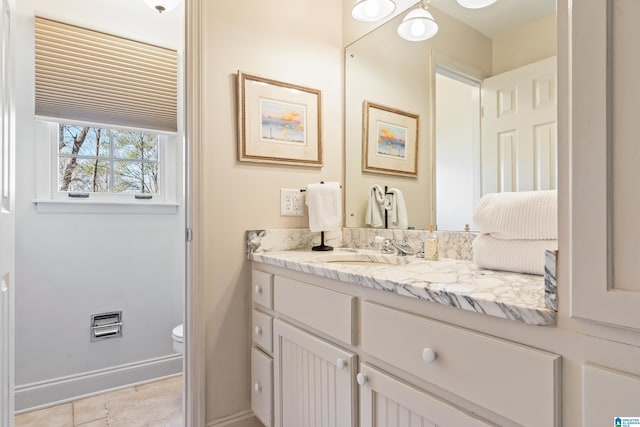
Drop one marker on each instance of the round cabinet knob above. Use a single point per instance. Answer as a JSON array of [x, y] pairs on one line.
[[341, 364], [257, 387], [429, 355], [362, 378], [258, 290], [258, 330]]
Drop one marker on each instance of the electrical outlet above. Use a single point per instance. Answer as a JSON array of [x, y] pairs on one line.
[[291, 202]]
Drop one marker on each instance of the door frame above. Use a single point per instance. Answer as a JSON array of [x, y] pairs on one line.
[[7, 144], [194, 333]]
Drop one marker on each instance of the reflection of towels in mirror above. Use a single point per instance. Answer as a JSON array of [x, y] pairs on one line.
[[375, 208], [398, 209], [323, 203], [392, 202]]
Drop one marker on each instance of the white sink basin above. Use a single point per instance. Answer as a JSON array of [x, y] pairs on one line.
[[359, 258]]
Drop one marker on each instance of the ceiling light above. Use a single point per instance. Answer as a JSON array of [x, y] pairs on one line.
[[476, 4], [162, 5], [418, 24], [372, 10]]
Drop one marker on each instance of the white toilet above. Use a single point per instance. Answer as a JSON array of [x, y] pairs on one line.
[[177, 334]]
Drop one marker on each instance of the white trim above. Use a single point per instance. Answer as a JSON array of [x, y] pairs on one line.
[[64, 389], [233, 420], [84, 206], [194, 372]]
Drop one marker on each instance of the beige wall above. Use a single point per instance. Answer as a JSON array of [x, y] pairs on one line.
[[287, 40], [524, 45]]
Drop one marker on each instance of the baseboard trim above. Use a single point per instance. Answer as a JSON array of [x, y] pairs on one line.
[[239, 419], [60, 390]]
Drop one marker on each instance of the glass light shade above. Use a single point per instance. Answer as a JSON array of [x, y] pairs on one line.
[[417, 25], [162, 5], [476, 4], [372, 10]]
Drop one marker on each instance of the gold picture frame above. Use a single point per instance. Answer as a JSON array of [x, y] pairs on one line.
[[278, 122], [390, 140]]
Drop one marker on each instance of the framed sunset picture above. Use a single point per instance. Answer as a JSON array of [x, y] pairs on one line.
[[390, 140], [278, 122]]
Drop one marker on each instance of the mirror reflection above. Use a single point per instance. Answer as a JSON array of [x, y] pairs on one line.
[[483, 89]]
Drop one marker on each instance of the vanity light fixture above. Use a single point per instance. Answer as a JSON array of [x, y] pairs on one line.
[[162, 5], [372, 10], [418, 24], [476, 4]]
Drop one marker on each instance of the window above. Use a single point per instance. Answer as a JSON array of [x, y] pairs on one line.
[[89, 168], [103, 160], [94, 92]]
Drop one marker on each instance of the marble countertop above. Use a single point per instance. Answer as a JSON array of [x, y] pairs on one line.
[[455, 283]]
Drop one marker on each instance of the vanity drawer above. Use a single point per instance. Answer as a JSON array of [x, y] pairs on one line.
[[328, 311], [262, 285], [262, 386], [263, 331], [515, 381]]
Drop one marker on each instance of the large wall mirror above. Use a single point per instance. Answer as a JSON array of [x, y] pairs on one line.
[[484, 91]]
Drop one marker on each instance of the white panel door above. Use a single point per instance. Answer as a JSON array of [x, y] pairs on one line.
[[519, 129], [314, 380], [605, 154], [387, 402], [7, 220]]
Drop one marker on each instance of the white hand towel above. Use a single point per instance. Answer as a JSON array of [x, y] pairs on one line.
[[324, 205], [398, 209], [519, 215], [520, 256], [375, 207]]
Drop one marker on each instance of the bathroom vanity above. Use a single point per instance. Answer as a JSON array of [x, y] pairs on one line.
[[355, 339]]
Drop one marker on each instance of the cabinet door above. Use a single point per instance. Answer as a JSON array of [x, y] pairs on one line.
[[603, 166], [387, 402], [608, 394], [314, 380]]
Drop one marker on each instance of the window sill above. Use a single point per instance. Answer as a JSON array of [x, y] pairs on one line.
[[105, 207]]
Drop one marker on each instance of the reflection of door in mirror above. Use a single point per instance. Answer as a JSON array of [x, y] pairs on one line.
[[457, 151], [519, 129]]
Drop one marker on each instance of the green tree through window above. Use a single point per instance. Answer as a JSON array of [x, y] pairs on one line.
[[103, 160]]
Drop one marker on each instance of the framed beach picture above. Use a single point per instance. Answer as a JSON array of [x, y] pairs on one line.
[[278, 122], [390, 140]]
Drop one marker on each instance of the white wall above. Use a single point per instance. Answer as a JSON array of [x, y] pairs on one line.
[[457, 152], [69, 266], [290, 41]]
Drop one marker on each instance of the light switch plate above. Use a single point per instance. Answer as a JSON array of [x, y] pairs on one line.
[[291, 202]]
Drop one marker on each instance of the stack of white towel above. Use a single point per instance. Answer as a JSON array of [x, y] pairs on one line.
[[515, 230], [392, 203]]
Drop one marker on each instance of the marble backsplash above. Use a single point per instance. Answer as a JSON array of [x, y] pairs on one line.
[[452, 245]]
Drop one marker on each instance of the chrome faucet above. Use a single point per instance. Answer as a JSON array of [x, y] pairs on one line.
[[390, 246]]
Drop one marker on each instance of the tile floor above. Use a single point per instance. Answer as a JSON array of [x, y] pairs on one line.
[[89, 412]]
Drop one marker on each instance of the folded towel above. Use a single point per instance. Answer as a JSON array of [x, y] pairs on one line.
[[375, 208], [519, 215], [398, 209], [520, 256], [324, 205]]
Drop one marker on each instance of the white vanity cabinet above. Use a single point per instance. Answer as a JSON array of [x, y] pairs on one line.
[[341, 360], [262, 349], [386, 401], [314, 380]]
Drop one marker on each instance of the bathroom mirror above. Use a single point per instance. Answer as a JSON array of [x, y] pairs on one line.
[[440, 80]]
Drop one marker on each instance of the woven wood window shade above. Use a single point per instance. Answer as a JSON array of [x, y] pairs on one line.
[[88, 76]]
